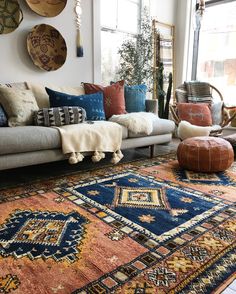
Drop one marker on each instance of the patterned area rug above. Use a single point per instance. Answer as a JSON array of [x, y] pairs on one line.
[[143, 227]]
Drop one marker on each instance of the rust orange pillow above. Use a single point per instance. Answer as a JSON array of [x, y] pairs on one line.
[[198, 114], [114, 99]]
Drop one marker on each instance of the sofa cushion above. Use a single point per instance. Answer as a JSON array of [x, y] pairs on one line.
[[114, 100], [20, 86], [59, 116], [93, 103], [198, 114], [42, 96], [135, 97], [28, 138], [160, 127], [3, 117], [19, 106], [32, 138]]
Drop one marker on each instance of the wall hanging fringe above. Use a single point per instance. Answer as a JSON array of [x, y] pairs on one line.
[[78, 10]]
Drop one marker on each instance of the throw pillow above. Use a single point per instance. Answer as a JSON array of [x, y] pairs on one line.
[[19, 86], [197, 114], [135, 97], [181, 95], [19, 106], [216, 112], [3, 118], [198, 92], [42, 96], [114, 100], [93, 104], [59, 116]]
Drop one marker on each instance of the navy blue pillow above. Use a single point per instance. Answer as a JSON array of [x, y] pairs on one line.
[[135, 97], [3, 118], [92, 103]]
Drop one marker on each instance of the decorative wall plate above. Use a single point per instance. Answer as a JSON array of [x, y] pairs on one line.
[[46, 47], [10, 16], [47, 8]]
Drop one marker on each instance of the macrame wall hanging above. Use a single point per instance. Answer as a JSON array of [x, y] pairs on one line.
[[78, 10]]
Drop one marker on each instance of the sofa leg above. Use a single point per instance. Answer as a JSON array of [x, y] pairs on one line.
[[152, 151]]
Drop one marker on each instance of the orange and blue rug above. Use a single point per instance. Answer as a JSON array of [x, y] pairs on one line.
[[142, 227]]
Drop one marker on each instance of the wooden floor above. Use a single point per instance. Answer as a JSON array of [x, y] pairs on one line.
[[44, 171]]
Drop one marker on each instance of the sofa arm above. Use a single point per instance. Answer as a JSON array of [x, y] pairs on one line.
[[152, 105]]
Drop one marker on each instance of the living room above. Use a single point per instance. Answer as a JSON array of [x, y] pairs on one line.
[[117, 127]]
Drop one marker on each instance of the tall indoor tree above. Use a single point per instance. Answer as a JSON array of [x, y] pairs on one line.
[[136, 55]]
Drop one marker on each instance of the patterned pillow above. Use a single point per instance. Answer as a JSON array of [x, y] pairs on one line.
[[114, 100], [93, 104], [135, 97], [19, 106], [59, 116], [198, 92], [3, 118], [197, 114]]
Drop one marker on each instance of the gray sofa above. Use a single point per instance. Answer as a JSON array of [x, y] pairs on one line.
[[30, 145]]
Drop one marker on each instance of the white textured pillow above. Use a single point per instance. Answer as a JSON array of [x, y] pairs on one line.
[[187, 130], [42, 97], [19, 105]]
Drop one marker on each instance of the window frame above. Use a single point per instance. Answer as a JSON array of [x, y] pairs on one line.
[[209, 3], [112, 30]]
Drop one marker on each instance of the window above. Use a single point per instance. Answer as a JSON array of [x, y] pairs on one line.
[[217, 47], [119, 20]]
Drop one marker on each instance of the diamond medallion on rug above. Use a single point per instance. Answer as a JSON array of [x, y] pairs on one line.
[[42, 234], [144, 202], [131, 228]]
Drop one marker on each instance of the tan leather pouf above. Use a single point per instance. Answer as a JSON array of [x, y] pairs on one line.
[[205, 154]]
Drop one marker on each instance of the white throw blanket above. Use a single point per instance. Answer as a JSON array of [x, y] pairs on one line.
[[136, 122], [98, 137]]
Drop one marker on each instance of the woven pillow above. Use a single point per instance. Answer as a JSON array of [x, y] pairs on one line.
[[198, 92], [114, 99], [19, 106], [196, 114], [59, 116]]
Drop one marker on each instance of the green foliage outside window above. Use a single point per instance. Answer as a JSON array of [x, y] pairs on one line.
[[136, 55]]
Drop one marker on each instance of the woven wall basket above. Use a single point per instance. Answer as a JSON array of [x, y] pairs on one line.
[[10, 16], [47, 8], [46, 47]]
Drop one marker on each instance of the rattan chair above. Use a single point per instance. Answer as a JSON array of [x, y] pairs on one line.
[[181, 96]]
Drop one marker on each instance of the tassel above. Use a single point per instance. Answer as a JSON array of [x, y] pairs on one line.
[[97, 156], [120, 154], [116, 157], [73, 158], [80, 50], [79, 156]]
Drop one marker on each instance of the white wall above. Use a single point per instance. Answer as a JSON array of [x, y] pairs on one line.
[[164, 10], [16, 65]]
